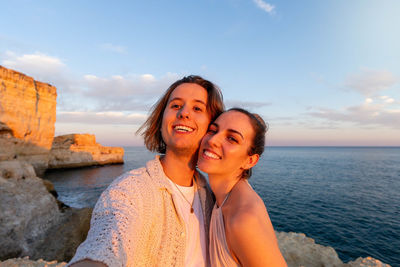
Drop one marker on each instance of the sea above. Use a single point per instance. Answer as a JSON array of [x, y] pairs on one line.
[[344, 197]]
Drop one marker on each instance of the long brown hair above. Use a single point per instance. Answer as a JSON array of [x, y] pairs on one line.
[[151, 128]]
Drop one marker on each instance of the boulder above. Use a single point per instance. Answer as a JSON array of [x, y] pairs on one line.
[[31, 221], [63, 239], [300, 250], [27, 210], [79, 150], [26, 262], [366, 262]]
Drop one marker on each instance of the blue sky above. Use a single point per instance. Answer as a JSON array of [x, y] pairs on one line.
[[319, 72]]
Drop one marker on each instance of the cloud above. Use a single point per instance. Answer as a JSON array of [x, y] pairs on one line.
[[126, 93], [38, 65], [369, 82], [101, 118], [246, 104], [375, 110], [131, 92], [364, 115], [44, 68], [264, 6], [113, 48]]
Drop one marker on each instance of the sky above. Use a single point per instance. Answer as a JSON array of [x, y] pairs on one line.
[[320, 73]]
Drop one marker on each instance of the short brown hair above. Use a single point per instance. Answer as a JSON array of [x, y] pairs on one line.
[[151, 128], [260, 128]]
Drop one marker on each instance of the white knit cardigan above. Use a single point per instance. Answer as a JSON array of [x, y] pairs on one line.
[[135, 221]]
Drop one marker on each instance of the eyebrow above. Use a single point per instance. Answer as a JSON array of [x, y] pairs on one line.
[[229, 130], [181, 99]]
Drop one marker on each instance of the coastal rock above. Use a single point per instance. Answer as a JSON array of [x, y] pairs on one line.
[[27, 118], [299, 250], [26, 262], [27, 210], [63, 239], [31, 222], [302, 251], [366, 262], [78, 150]]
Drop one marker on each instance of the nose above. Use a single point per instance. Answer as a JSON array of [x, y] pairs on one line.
[[184, 113], [214, 140]]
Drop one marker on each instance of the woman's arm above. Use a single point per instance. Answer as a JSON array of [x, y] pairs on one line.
[[251, 238]]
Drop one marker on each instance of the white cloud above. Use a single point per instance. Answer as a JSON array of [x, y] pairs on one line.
[[100, 118], [369, 100], [126, 92], [369, 82], [245, 104], [362, 115], [265, 6], [38, 65], [113, 48], [43, 68]]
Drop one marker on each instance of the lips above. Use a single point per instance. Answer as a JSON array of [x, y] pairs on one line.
[[182, 128], [210, 154]]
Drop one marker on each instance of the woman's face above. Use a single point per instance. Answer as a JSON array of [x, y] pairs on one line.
[[185, 118], [224, 148]]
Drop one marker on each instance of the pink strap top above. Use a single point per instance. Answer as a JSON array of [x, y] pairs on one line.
[[219, 251]]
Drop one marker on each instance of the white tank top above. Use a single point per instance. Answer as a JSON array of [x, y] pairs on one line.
[[219, 251]]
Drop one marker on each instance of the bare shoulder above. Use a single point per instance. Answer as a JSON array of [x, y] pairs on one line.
[[249, 231], [247, 213]]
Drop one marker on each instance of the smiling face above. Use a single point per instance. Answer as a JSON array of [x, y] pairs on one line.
[[224, 149], [185, 118]]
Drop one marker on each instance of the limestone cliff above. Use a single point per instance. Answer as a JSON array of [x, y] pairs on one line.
[[78, 150], [27, 118]]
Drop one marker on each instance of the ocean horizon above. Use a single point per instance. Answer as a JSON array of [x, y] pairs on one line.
[[346, 197]]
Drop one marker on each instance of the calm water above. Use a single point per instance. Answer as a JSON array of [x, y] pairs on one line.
[[344, 197]]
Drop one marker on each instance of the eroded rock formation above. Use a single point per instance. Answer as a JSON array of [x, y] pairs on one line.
[[78, 150], [26, 262], [300, 250], [31, 221], [27, 118]]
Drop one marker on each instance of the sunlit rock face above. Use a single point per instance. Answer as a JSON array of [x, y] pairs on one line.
[[78, 150], [300, 250], [27, 118]]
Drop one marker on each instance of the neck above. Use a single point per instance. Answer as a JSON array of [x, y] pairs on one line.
[[179, 167], [221, 186]]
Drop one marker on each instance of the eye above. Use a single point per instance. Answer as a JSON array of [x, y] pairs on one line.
[[232, 139], [199, 109], [175, 106]]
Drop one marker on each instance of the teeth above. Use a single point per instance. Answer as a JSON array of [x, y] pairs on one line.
[[211, 155], [182, 128]]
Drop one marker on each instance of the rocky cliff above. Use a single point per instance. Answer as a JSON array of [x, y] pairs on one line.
[[27, 125], [27, 118], [32, 223], [78, 150]]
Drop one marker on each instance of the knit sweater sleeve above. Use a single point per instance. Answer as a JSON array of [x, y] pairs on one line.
[[115, 223]]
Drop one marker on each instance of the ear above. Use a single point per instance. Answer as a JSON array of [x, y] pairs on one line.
[[251, 161]]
